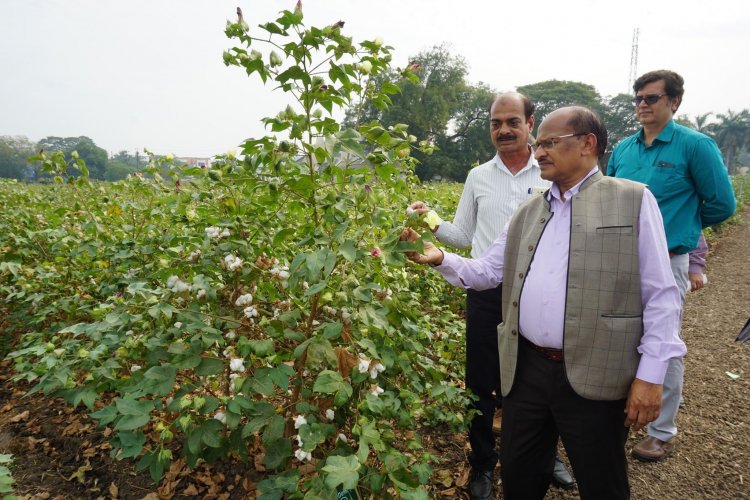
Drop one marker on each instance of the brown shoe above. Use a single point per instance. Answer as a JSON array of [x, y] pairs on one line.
[[652, 449], [497, 421]]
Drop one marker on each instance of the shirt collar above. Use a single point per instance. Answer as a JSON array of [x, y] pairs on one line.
[[665, 135], [532, 163], [554, 191]]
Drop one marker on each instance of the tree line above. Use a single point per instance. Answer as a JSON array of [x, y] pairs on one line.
[[444, 108], [15, 152], [441, 107]]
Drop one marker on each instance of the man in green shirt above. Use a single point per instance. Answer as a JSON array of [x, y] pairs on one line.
[[685, 172]]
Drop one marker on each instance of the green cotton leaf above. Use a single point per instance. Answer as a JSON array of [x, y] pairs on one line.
[[332, 330], [316, 288], [274, 429], [159, 310], [281, 375], [131, 422], [261, 414], [131, 443], [261, 383], [389, 88], [106, 415], [283, 235], [127, 406], [263, 347], [293, 73], [160, 379], [278, 452], [319, 352], [286, 482], [350, 141], [348, 250], [314, 434], [342, 471], [331, 382], [209, 366], [413, 494]]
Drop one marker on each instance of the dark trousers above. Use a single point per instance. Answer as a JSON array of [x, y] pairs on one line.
[[542, 406], [483, 314]]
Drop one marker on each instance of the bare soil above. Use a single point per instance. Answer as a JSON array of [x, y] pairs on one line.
[[59, 452]]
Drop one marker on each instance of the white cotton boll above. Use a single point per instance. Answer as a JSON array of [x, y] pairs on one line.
[[244, 300], [303, 455], [230, 335], [330, 414], [299, 421], [129, 332], [237, 365], [225, 233], [135, 368], [178, 325], [250, 312], [364, 364], [232, 380], [180, 286], [298, 438], [377, 391], [375, 369], [342, 437], [201, 294], [172, 280], [221, 417], [283, 275]]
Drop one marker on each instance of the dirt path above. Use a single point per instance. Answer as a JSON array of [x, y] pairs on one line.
[[52, 443]]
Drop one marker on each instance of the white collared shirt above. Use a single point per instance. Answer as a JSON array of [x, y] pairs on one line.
[[491, 194]]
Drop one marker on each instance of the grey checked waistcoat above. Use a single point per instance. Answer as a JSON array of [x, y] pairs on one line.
[[603, 313]]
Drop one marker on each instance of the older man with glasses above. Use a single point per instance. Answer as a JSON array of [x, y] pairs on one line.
[[585, 342], [685, 172]]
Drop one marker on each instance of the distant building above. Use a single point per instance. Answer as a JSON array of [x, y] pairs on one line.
[[193, 161]]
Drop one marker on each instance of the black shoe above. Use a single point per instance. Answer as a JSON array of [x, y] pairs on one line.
[[480, 486], [561, 477]]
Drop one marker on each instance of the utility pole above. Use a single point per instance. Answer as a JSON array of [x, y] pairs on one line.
[[633, 61]]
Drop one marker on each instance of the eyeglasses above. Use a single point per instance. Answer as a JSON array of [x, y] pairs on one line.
[[550, 143], [649, 98]]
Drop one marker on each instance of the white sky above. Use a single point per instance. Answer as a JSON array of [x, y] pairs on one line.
[[149, 73]]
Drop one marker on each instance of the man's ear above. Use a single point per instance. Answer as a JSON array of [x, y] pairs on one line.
[[674, 103], [589, 145]]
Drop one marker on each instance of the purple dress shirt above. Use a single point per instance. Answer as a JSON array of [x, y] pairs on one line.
[[542, 304]]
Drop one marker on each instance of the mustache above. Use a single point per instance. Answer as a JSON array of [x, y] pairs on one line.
[[507, 137]]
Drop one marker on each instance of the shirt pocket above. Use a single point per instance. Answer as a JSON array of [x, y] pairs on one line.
[[666, 176], [614, 230]]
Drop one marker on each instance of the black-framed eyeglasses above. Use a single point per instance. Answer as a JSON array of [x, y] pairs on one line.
[[551, 142], [649, 98]]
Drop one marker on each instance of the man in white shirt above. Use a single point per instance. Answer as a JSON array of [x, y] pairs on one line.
[[491, 194]]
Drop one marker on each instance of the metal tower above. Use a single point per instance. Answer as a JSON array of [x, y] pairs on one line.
[[633, 61]]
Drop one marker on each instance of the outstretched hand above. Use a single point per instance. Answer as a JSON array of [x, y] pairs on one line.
[[432, 254]]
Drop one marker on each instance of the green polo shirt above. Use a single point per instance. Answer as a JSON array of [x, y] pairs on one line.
[[685, 172]]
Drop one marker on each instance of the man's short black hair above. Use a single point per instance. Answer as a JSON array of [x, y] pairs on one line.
[[673, 83], [585, 121], [528, 106]]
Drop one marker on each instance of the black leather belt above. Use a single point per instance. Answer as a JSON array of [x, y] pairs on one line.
[[555, 355]]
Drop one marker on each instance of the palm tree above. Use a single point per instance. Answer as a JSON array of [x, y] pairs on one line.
[[732, 133]]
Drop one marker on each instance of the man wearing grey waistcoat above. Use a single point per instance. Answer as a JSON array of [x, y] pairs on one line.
[[492, 192], [591, 314]]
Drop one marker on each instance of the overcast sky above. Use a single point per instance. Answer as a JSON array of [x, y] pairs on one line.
[[149, 73]]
